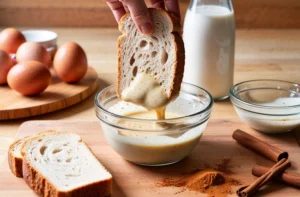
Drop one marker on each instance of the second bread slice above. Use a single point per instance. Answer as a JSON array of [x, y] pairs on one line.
[[15, 158], [60, 164]]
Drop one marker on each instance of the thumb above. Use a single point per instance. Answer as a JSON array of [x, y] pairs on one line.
[[140, 15]]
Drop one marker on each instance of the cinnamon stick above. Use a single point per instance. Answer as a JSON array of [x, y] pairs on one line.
[[279, 167], [263, 148], [288, 178]]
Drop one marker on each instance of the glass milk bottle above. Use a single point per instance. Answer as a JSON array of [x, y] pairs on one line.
[[209, 36]]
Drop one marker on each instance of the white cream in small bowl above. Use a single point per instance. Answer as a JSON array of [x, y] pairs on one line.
[[136, 134], [269, 106]]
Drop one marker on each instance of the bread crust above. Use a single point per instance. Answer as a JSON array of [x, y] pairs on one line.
[[119, 94], [179, 66], [15, 163], [180, 53], [42, 186]]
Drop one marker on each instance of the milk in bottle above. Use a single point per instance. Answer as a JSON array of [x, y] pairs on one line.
[[209, 38]]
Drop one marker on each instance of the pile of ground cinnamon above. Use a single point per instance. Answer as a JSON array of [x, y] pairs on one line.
[[212, 182]]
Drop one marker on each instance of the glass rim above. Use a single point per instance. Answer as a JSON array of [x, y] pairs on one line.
[[265, 114], [206, 109], [235, 98]]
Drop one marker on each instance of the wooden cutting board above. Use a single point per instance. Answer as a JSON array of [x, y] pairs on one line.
[[57, 96], [131, 180]]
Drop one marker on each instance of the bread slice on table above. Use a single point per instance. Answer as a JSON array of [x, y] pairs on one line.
[[60, 164], [15, 158], [160, 54]]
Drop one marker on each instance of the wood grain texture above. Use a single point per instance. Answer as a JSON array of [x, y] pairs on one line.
[[57, 96], [95, 13], [131, 180], [267, 13]]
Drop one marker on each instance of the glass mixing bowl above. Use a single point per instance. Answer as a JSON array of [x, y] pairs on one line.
[[269, 106], [154, 142]]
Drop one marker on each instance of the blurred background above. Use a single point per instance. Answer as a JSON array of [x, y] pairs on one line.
[[95, 13]]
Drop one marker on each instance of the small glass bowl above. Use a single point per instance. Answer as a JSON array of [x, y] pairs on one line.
[[269, 106], [154, 142]]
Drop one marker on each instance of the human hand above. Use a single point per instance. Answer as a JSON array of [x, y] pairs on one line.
[[139, 11]]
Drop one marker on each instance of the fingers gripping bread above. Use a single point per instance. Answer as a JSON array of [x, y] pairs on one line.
[[160, 54]]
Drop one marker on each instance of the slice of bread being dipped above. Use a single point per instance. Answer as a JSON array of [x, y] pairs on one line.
[[159, 54], [60, 164]]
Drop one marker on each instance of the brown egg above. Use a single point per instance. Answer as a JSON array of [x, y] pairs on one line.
[[29, 78], [11, 39], [70, 62], [33, 51], [6, 63]]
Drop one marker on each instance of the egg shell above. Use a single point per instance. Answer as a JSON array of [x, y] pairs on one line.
[[33, 51], [6, 63], [29, 78], [11, 39], [70, 62]]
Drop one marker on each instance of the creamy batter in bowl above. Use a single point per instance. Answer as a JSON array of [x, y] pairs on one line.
[[269, 106], [135, 133]]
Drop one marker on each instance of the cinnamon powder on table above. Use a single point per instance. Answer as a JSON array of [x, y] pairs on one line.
[[223, 166], [212, 182]]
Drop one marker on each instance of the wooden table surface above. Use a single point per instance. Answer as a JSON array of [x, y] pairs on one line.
[[268, 54]]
